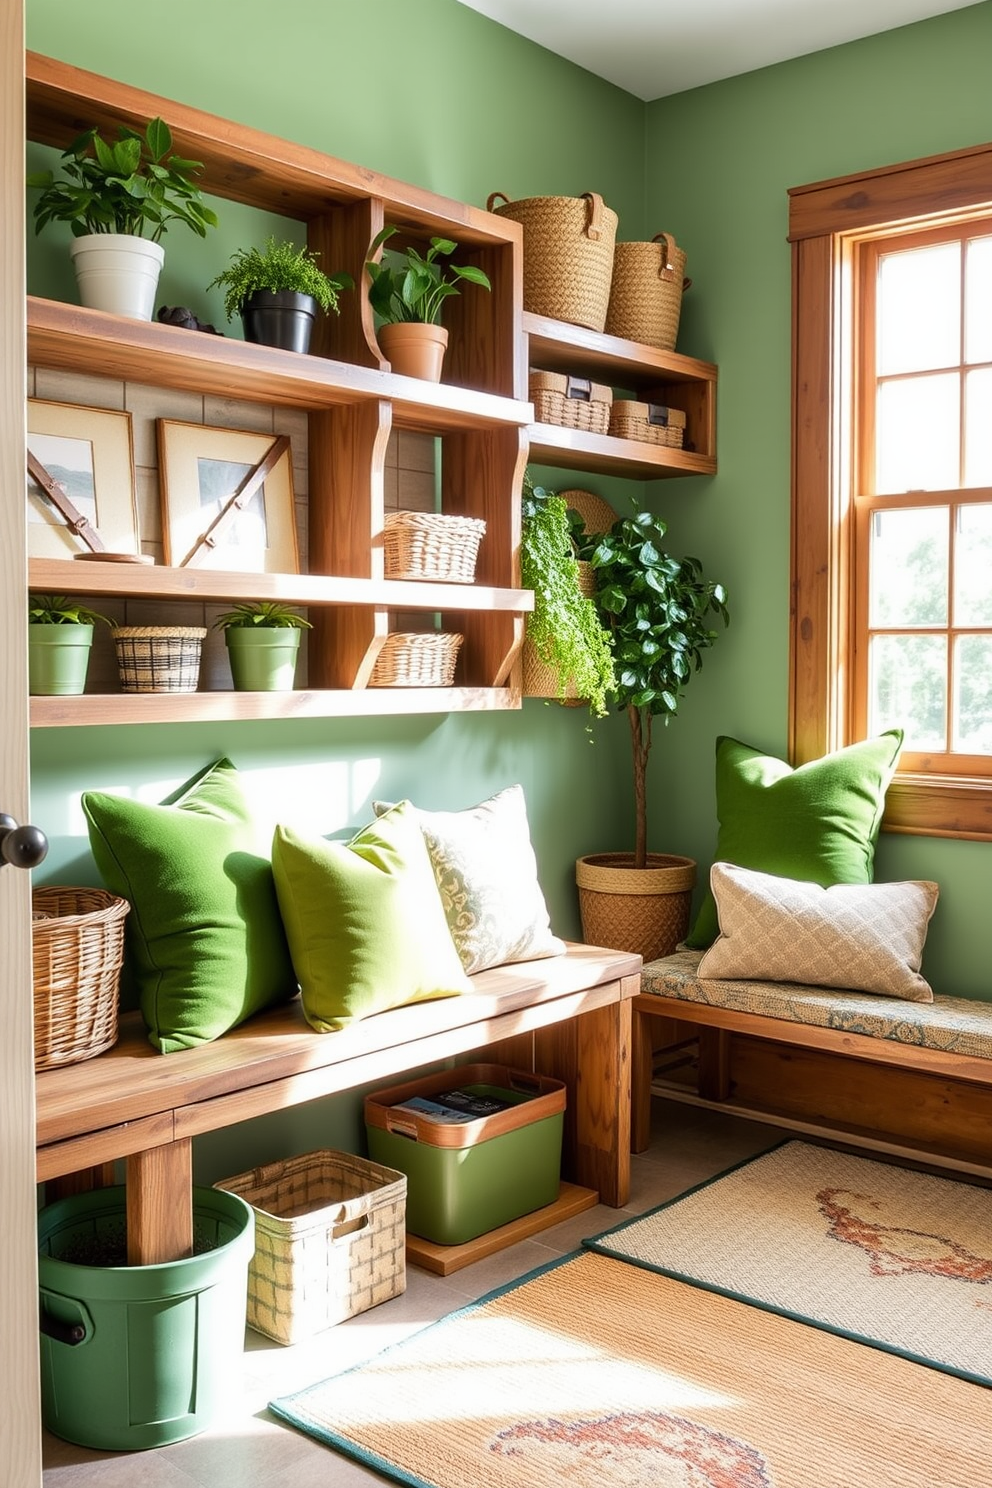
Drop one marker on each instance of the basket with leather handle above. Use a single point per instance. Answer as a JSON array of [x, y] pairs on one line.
[[646, 292], [568, 254]]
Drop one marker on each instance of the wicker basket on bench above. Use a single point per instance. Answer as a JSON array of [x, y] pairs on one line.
[[77, 939]]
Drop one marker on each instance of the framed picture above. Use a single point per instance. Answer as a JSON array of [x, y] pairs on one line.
[[87, 453], [227, 499]]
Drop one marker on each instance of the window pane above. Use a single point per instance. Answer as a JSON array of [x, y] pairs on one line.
[[919, 308], [907, 583], [973, 566], [917, 435], [978, 302], [907, 685], [978, 428], [973, 695]]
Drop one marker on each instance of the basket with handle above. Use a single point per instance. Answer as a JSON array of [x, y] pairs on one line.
[[428, 545], [573, 402], [567, 254], [416, 659], [77, 943], [646, 292], [651, 423]]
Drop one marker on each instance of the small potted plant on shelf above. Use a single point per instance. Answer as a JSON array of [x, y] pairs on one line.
[[568, 654], [60, 634], [657, 609], [277, 290], [263, 642], [119, 200], [406, 291]]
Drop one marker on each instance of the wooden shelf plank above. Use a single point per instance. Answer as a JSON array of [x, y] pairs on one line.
[[443, 1259], [557, 346], [577, 449]]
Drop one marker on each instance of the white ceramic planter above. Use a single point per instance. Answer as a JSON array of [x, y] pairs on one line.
[[117, 272]]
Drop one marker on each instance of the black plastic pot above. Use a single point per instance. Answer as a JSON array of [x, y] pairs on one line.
[[280, 318]]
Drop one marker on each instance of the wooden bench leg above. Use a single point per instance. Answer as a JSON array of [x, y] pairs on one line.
[[641, 1075], [714, 1063], [160, 1204]]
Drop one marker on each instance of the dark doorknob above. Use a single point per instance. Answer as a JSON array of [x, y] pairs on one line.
[[22, 847]]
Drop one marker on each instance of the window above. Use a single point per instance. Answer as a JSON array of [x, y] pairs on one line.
[[892, 479]]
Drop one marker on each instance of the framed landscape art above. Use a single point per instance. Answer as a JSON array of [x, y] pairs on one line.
[[87, 454]]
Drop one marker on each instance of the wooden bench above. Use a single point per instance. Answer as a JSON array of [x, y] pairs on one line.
[[882, 1070], [568, 1017]]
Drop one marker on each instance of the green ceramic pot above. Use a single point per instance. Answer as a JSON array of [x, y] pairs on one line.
[[263, 657], [58, 656]]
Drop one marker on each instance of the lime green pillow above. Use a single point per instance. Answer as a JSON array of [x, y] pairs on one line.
[[364, 919], [205, 942], [818, 822]]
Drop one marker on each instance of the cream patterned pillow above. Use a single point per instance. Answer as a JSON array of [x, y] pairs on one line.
[[486, 871], [858, 937]]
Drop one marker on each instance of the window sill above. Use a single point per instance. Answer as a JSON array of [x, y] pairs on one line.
[[939, 806]]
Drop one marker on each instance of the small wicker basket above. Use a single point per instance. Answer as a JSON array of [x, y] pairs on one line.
[[159, 658], [427, 545], [567, 254], [651, 423], [77, 940], [573, 402], [416, 659], [646, 292]]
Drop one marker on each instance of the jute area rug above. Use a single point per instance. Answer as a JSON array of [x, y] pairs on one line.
[[596, 1373]]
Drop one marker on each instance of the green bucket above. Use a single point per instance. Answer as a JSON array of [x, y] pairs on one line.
[[139, 1356]]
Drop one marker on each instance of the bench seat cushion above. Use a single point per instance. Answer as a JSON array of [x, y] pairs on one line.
[[956, 1024]]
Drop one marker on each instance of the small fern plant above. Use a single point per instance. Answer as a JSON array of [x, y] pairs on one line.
[[564, 626], [277, 266]]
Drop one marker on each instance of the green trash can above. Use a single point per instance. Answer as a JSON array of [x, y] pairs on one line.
[[139, 1356]]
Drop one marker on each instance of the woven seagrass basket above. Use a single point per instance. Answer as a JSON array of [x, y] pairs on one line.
[[159, 658], [568, 254], [628, 909], [646, 292], [77, 943], [416, 659], [573, 402], [427, 545], [651, 423], [539, 679]]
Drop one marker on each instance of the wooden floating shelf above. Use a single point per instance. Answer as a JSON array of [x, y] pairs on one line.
[[577, 449]]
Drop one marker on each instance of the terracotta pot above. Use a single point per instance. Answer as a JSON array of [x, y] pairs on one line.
[[414, 349], [624, 908]]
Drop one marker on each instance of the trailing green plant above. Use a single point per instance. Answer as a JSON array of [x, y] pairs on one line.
[[656, 608], [564, 626], [133, 186], [265, 612], [56, 609], [410, 286], [278, 266]]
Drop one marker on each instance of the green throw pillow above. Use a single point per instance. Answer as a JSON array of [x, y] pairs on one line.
[[818, 822], [205, 941], [364, 920]]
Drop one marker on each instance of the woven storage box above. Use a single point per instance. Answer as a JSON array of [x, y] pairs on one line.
[[651, 423], [574, 402], [330, 1241], [426, 545], [159, 658], [646, 292], [77, 942], [567, 254], [416, 659]]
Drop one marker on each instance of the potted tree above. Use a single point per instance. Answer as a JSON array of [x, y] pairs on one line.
[[60, 634], [406, 292], [263, 642], [119, 199], [277, 290], [568, 654], [657, 609]]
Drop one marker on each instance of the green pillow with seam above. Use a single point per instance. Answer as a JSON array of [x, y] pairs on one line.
[[364, 920], [818, 822], [205, 942]]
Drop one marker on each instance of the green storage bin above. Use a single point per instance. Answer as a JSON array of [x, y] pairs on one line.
[[466, 1178], [139, 1356]]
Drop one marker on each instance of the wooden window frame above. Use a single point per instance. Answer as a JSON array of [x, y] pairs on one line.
[[823, 219]]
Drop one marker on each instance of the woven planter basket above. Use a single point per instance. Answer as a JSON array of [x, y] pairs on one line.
[[651, 423], [77, 942], [426, 545], [568, 254], [597, 515], [573, 402], [642, 910], [416, 659], [646, 292], [159, 658]]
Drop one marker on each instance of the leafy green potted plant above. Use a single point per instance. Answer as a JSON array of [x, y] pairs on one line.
[[60, 634], [568, 654], [277, 290], [657, 609], [263, 642], [119, 200], [406, 291]]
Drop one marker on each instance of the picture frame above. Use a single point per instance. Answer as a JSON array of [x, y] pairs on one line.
[[89, 452], [200, 470]]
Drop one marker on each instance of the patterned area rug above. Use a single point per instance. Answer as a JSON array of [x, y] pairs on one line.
[[594, 1373], [882, 1254]]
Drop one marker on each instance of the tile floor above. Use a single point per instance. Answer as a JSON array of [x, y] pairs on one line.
[[250, 1448]]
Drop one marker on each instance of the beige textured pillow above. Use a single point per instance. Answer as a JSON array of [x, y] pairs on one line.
[[858, 937]]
